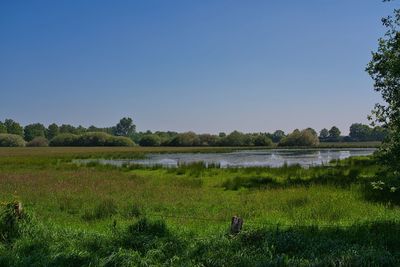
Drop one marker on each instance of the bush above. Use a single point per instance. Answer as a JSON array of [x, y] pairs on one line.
[[11, 140], [262, 140], [384, 187], [65, 139], [38, 142], [90, 139], [94, 139], [185, 139], [300, 138], [10, 221], [120, 141], [150, 140], [208, 139]]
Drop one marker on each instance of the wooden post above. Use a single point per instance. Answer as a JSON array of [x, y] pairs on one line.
[[18, 209], [236, 225]]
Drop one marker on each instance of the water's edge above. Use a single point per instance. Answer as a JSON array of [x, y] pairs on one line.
[[243, 158]]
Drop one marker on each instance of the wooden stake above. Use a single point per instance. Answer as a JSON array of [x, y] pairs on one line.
[[236, 225]]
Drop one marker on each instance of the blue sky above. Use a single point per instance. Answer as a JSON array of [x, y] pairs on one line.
[[206, 66]]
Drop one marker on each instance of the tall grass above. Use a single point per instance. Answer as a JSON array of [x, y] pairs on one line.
[[94, 215]]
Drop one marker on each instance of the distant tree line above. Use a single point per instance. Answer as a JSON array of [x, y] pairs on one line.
[[124, 134], [36, 134]]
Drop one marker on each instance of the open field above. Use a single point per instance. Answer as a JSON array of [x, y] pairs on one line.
[[103, 215]]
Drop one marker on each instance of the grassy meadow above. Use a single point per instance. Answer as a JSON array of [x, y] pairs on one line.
[[96, 215]]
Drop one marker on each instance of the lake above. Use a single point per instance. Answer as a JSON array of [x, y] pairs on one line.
[[246, 158]]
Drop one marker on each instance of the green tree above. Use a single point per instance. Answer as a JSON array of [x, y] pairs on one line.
[[235, 138], [324, 133], [360, 132], [52, 131], [3, 128], [277, 136], [379, 133], [80, 130], [13, 127], [300, 138], [185, 139], [208, 139], [34, 130], [334, 133], [312, 131], [125, 127], [262, 140], [66, 128], [150, 140], [384, 69]]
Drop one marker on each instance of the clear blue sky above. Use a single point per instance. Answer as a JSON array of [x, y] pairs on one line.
[[206, 65]]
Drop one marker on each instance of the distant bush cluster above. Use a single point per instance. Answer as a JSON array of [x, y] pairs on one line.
[[38, 142], [11, 140], [307, 137], [12, 134], [124, 134], [90, 139]]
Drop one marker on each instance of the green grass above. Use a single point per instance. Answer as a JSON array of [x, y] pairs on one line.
[[135, 216]]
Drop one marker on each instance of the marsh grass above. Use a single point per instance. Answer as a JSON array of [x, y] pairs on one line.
[[94, 215], [104, 209], [148, 242]]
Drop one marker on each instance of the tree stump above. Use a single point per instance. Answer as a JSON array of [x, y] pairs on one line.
[[236, 225]]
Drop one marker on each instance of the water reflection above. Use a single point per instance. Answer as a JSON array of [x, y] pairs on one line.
[[247, 158]]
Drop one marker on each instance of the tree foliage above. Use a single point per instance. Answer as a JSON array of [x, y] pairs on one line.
[[52, 131], [324, 133], [38, 142], [300, 138], [185, 139], [90, 139], [13, 127], [363, 132], [277, 136], [125, 127], [3, 128], [384, 69], [150, 140], [67, 128], [334, 133], [11, 140], [34, 130]]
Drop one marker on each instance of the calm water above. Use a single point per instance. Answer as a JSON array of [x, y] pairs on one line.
[[247, 158]]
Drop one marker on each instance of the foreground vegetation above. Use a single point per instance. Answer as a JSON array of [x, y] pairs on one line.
[[133, 216]]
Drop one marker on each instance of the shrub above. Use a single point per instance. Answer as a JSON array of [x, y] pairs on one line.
[[208, 139], [11, 140], [64, 139], [38, 142], [9, 222], [34, 130], [385, 187], [120, 141], [262, 140], [94, 139], [90, 139], [300, 138], [185, 139], [150, 140]]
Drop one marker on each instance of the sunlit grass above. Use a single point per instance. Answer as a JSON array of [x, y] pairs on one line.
[[99, 210]]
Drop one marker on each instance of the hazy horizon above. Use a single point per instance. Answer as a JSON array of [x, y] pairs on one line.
[[206, 66]]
